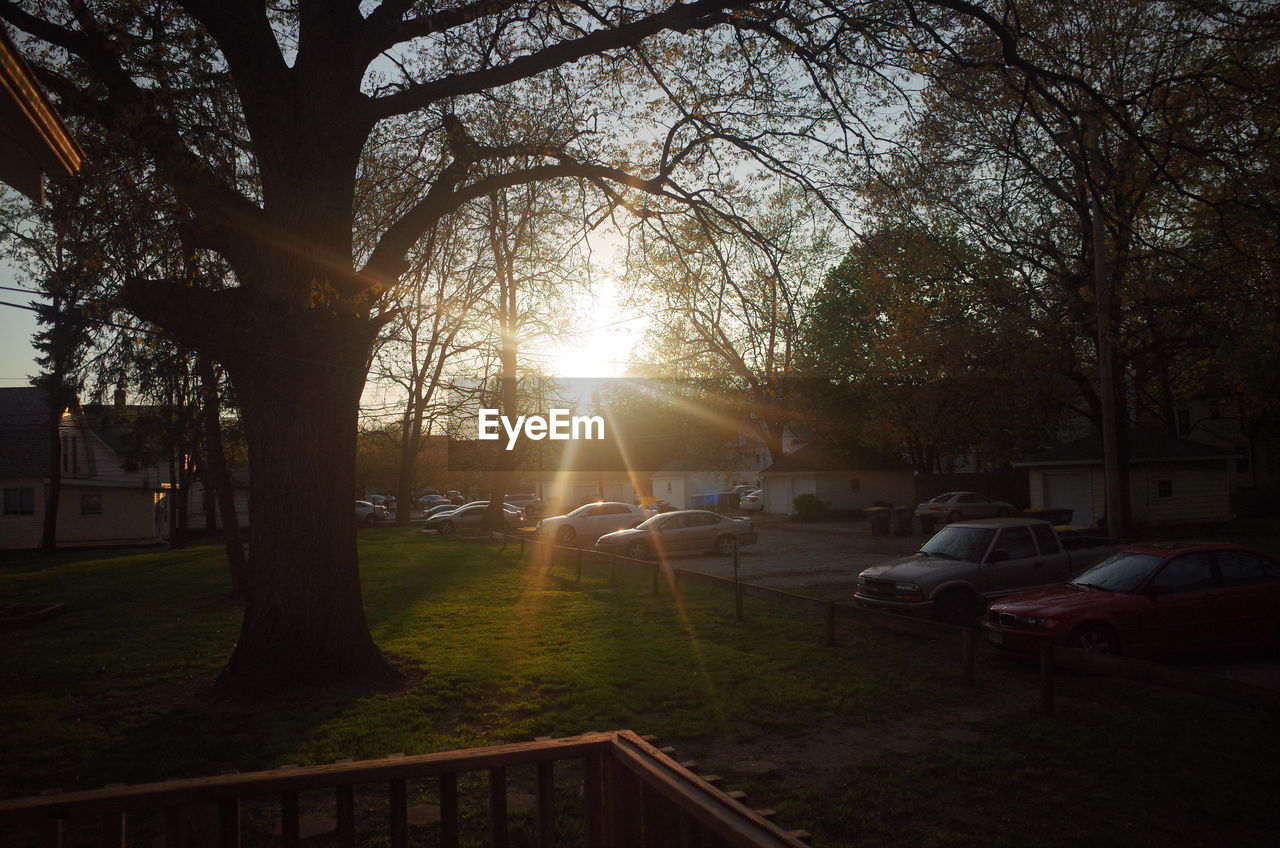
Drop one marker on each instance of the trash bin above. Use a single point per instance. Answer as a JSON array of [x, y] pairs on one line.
[[900, 520], [926, 524], [878, 516]]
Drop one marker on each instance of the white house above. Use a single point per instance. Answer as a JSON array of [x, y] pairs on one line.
[[101, 501], [843, 479], [1171, 480]]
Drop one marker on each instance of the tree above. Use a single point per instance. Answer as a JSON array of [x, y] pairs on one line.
[[294, 324], [917, 353]]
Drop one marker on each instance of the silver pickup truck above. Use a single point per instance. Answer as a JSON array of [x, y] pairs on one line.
[[965, 565]]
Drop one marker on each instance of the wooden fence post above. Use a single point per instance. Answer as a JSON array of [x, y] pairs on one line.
[[579, 565], [613, 569], [967, 641], [1046, 678]]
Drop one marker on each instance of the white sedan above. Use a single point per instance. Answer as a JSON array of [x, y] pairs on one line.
[[591, 521]]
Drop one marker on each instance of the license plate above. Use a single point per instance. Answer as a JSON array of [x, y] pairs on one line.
[[996, 637]]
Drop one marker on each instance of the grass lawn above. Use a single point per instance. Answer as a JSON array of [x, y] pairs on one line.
[[877, 741]]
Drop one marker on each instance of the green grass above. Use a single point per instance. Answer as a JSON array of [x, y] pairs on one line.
[[879, 740]]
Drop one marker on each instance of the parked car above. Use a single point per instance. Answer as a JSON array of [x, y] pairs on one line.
[[1152, 600], [965, 565], [591, 521], [438, 509], [370, 513], [527, 501], [382, 500], [433, 500], [963, 506], [659, 505], [752, 501], [454, 497], [470, 519], [679, 531]]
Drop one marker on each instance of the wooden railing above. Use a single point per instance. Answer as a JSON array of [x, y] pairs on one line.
[[625, 793]]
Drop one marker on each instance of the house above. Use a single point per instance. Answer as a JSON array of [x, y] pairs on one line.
[[1171, 480], [844, 479], [739, 462], [102, 501]]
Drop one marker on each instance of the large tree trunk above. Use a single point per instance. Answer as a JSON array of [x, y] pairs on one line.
[[304, 616]]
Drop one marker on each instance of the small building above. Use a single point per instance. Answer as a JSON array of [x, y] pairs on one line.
[[102, 501], [1171, 480], [736, 462], [844, 479]]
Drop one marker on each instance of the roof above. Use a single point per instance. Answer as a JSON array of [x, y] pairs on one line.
[[1143, 447], [821, 458], [24, 429], [33, 139]]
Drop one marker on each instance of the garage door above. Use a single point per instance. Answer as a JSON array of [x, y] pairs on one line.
[[1073, 492]]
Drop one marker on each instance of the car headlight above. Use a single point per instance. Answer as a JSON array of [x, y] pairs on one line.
[[1036, 623]]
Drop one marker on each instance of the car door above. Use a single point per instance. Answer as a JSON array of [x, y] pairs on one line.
[[1250, 598], [1186, 609], [1056, 561], [1013, 563], [615, 517], [671, 536], [704, 527]]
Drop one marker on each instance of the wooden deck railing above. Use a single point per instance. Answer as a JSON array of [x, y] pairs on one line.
[[631, 795]]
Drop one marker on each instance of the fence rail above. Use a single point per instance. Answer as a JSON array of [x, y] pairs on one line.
[[631, 794]]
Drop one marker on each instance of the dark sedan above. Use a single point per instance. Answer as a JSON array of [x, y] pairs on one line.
[[1151, 600]]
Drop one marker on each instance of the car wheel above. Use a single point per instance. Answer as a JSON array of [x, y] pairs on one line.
[[565, 535], [1095, 639], [956, 606], [446, 528], [1002, 513], [637, 550], [725, 545], [953, 516], [371, 519]]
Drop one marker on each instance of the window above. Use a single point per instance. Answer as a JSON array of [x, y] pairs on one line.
[[1187, 573], [1183, 423], [1047, 538], [1164, 489], [855, 485], [614, 509], [91, 504], [1018, 541], [20, 501], [1241, 568], [703, 519]]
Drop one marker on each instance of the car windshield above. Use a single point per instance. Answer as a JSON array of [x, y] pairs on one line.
[[943, 498], [582, 510], [652, 523], [1124, 572], [967, 543]]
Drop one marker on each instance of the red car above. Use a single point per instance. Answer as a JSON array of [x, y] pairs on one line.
[[1151, 600]]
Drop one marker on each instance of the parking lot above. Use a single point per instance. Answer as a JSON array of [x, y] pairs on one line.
[[823, 560], [824, 557]]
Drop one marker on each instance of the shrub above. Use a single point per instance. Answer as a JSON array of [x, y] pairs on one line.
[[808, 508]]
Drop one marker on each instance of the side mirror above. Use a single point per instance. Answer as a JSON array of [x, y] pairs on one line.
[[998, 555]]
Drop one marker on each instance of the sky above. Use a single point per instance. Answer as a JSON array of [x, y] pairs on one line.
[[17, 357]]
